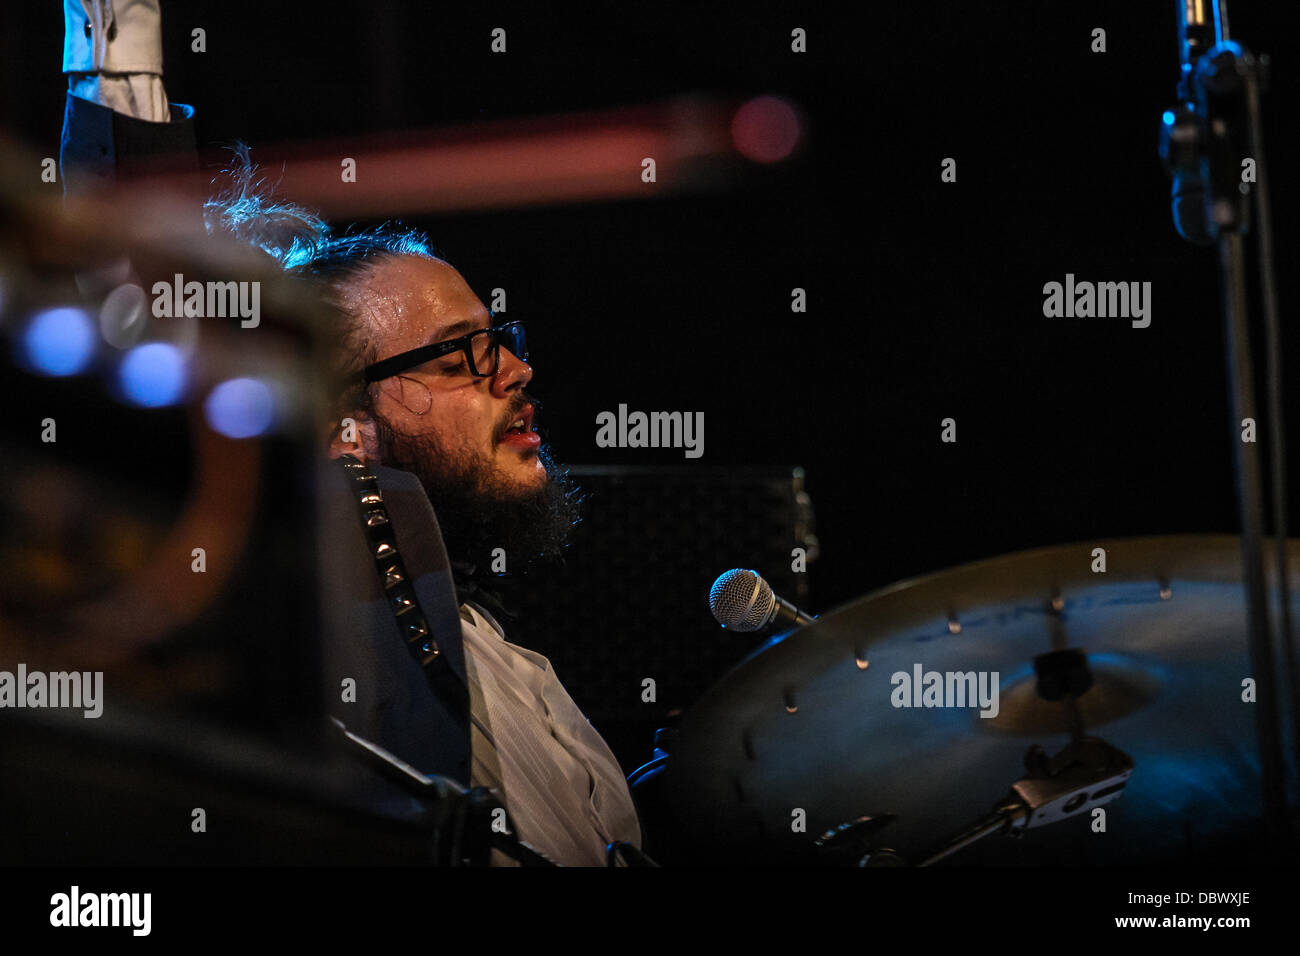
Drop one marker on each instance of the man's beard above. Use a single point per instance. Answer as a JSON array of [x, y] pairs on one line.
[[477, 511]]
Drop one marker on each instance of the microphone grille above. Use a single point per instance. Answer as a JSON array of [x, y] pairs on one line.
[[741, 600]]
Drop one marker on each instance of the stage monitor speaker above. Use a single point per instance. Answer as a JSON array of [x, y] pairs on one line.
[[629, 603]]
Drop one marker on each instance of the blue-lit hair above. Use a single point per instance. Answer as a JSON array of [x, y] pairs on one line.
[[304, 245]]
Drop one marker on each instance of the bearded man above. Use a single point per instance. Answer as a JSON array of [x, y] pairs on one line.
[[437, 414]]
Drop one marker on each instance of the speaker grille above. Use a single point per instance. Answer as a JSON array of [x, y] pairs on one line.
[[630, 601]]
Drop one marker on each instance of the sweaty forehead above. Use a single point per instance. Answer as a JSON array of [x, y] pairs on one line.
[[410, 301]]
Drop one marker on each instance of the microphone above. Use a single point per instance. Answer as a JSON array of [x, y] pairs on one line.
[[742, 601], [1202, 26]]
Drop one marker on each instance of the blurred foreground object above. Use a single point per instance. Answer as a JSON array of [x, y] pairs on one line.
[[160, 542]]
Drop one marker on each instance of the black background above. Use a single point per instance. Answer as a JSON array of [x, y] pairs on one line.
[[924, 298]]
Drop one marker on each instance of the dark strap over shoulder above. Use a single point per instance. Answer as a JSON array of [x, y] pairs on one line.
[[397, 585], [375, 683], [393, 578]]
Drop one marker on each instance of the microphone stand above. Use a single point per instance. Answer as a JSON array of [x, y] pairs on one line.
[[1200, 143]]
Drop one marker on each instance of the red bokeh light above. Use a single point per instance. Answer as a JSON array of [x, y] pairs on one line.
[[766, 129]]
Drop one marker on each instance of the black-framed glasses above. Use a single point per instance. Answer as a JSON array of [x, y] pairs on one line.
[[482, 350]]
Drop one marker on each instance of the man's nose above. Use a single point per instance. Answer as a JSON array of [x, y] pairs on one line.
[[513, 373]]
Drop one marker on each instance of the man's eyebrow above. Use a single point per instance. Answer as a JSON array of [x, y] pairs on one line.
[[456, 329]]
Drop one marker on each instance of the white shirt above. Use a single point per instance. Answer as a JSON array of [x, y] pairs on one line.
[[564, 793]]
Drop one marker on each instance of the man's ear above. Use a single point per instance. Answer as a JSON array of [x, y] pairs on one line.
[[355, 434]]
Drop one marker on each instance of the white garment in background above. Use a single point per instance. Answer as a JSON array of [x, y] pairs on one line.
[[112, 53]]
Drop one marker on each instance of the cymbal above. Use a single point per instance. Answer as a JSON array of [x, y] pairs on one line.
[[819, 724]]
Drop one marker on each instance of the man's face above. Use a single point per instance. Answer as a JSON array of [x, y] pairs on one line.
[[492, 485], [410, 301]]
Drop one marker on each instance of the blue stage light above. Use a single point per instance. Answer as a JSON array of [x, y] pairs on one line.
[[59, 341], [153, 375], [240, 408]]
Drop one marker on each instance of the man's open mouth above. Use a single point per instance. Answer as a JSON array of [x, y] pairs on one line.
[[522, 426]]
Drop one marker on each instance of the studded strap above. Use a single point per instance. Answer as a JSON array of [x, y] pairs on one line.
[[393, 578]]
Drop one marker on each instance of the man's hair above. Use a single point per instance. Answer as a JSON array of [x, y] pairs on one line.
[[304, 245], [473, 517]]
